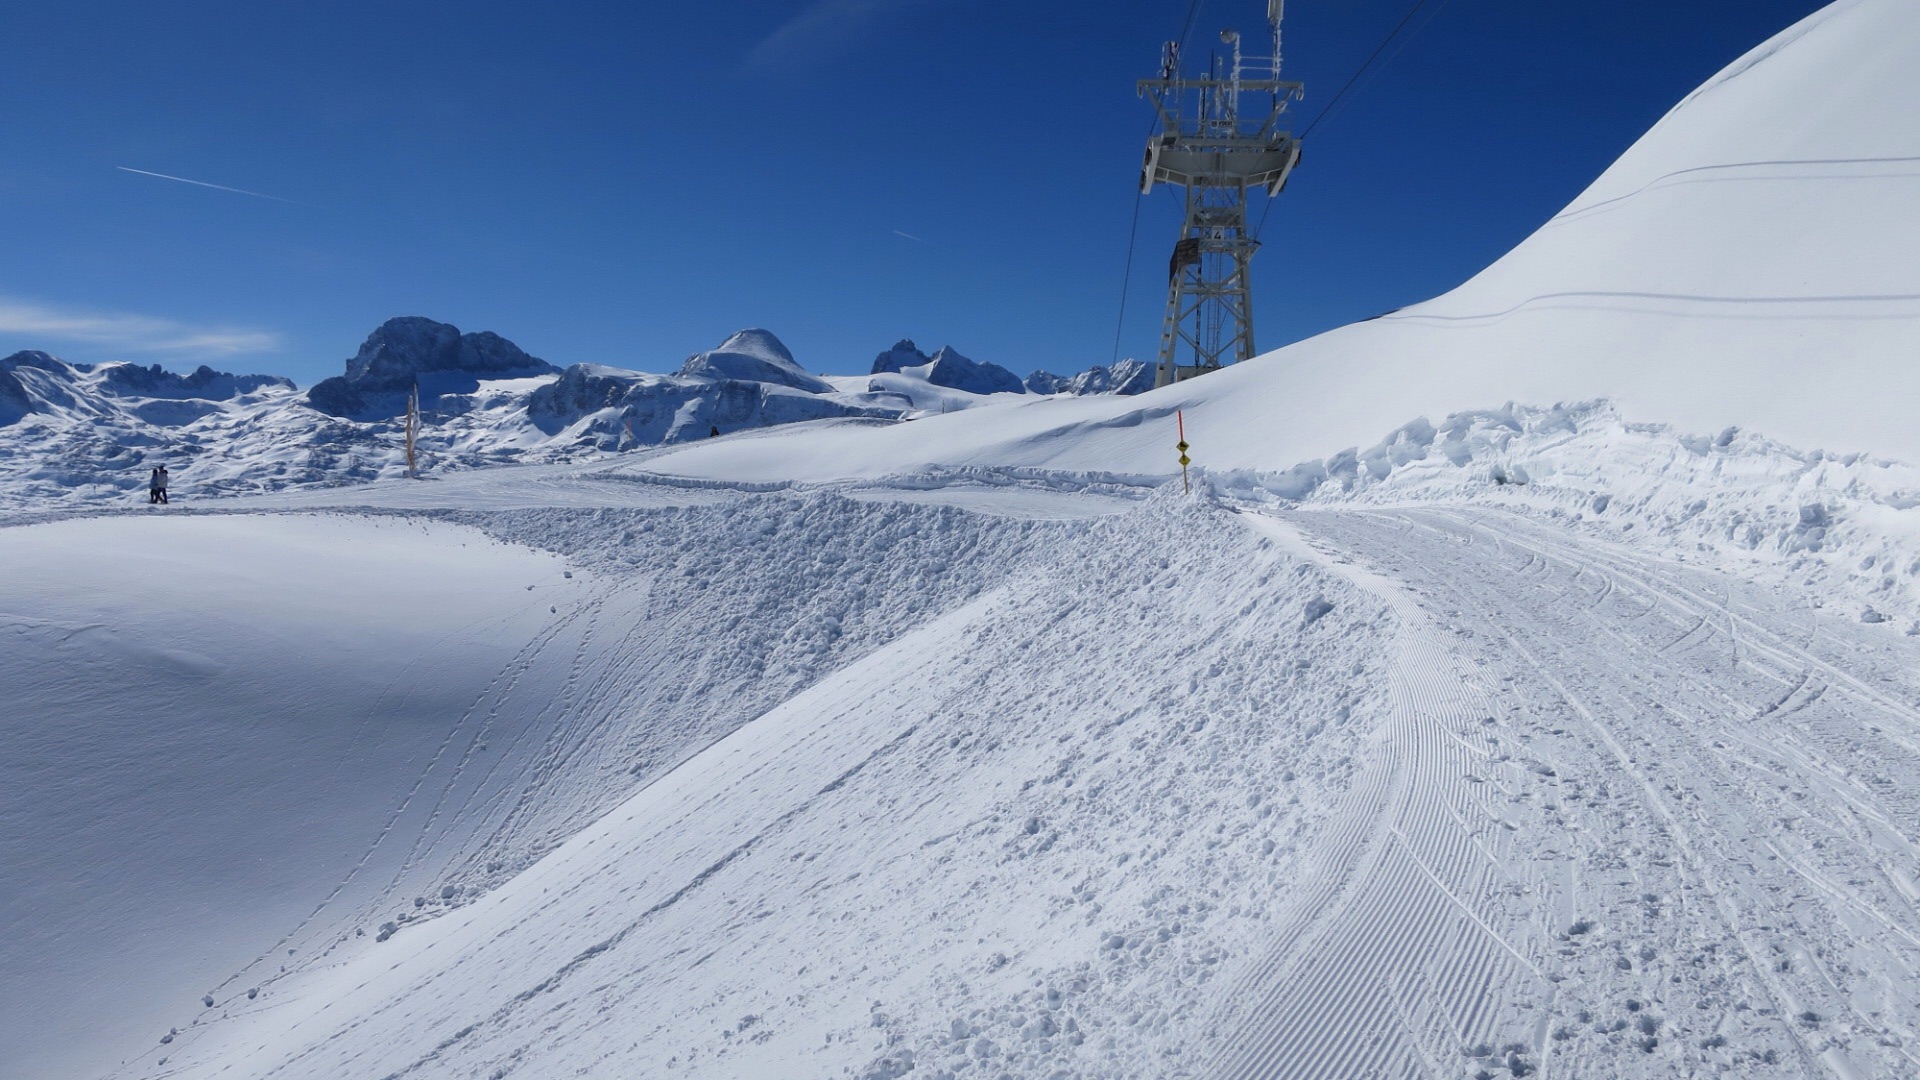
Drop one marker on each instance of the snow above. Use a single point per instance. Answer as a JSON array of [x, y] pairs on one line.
[[990, 816], [1651, 809], [1527, 687], [765, 779], [199, 749]]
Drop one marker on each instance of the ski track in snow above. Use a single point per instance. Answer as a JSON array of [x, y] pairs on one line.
[[1638, 820], [1587, 811], [1392, 966]]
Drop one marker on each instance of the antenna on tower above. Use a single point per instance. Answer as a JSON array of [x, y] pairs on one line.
[[1218, 137], [1276, 10]]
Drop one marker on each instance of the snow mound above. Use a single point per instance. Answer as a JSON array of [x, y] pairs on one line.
[[236, 746]]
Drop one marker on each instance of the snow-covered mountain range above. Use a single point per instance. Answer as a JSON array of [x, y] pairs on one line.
[[1528, 685], [73, 434]]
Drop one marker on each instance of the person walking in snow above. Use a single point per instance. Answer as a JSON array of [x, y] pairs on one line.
[[157, 485]]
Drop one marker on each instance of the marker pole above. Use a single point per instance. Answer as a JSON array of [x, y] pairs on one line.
[[1180, 419]]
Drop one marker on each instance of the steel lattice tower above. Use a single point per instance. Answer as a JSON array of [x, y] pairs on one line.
[[1218, 137]]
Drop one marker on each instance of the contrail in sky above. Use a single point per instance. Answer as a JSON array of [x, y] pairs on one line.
[[909, 236], [202, 183], [821, 33]]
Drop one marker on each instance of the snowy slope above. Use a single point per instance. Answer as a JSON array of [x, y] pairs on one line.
[[1751, 261], [1036, 852], [1349, 792], [477, 696], [199, 750]]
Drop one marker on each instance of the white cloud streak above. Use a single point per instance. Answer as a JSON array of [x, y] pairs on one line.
[[823, 29], [133, 333], [909, 236], [203, 183]]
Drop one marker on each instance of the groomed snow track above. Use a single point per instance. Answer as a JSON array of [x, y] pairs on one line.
[[1432, 789], [1633, 820]]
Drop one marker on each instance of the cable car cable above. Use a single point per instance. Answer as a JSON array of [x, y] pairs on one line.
[[1355, 79], [1133, 231]]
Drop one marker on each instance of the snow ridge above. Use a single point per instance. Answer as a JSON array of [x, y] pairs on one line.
[[1844, 525]]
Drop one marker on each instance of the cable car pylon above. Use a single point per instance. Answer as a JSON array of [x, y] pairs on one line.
[[1219, 136]]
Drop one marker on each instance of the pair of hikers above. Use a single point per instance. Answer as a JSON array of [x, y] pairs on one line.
[[157, 485]]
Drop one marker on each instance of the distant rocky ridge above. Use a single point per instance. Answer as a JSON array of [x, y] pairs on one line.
[[14, 399], [949, 369], [1127, 377], [750, 381], [81, 433], [409, 351], [205, 383], [33, 381]]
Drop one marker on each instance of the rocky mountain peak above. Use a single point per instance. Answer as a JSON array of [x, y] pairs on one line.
[[402, 350]]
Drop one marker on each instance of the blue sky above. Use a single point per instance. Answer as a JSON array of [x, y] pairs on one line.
[[627, 183]]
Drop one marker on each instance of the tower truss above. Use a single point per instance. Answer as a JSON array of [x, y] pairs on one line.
[[1219, 136]]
